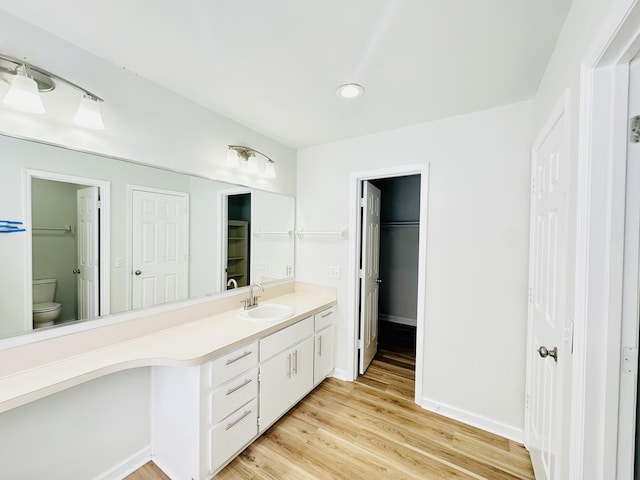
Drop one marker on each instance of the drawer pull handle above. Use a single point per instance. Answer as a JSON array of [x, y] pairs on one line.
[[289, 366], [327, 314], [239, 357], [319, 346], [295, 362], [238, 420], [243, 384]]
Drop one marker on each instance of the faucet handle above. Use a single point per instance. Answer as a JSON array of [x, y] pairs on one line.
[[247, 302]]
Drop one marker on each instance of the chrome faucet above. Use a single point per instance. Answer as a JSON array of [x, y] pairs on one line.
[[252, 300], [232, 283]]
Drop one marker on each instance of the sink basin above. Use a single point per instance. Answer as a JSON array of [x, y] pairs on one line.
[[269, 312]]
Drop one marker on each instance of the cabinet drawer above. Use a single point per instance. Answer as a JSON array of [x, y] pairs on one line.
[[279, 341], [233, 364], [230, 396], [324, 318], [230, 435]]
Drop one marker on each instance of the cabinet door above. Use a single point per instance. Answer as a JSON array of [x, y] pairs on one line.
[[301, 370], [323, 361], [275, 379]]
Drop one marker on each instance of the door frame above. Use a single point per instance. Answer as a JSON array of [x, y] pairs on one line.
[[104, 187], [355, 187], [129, 246], [601, 181]]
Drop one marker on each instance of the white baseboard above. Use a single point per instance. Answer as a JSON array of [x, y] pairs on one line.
[[341, 375], [127, 466], [478, 421]]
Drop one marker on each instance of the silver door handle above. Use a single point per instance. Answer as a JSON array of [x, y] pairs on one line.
[[289, 366], [545, 352], [76, 271], [378, 280], [320, 346], [137, 272]]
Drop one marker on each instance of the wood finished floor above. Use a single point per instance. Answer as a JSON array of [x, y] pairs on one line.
[[371, 429]]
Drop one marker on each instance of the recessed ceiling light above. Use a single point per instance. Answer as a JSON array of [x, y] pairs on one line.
[[350, 90]]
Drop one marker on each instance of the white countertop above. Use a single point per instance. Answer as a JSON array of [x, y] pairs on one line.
[[189, 343]]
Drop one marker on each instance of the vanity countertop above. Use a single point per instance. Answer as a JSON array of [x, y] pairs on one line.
[[189, 343]]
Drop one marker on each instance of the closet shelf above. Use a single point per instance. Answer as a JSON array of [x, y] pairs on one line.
[[400, 224]]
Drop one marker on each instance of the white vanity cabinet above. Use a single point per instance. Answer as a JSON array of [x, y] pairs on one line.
[[286, 370], [324, 362], [203, 415]]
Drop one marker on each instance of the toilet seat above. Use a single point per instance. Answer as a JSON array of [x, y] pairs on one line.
[[45, 307]]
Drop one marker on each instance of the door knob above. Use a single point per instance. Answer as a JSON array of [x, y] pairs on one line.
[[137, 272], [76, 271], [545, 352], [378, 280]]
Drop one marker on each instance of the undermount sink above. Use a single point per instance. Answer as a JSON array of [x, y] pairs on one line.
[[269, 312]]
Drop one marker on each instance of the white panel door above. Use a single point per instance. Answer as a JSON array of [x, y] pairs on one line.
[[88, 257], [369, 275], [547, 307], [159, 248]]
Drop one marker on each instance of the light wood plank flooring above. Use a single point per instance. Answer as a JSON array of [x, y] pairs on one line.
[[371, 429]]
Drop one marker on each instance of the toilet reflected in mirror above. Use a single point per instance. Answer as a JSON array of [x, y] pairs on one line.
[[45, 310]]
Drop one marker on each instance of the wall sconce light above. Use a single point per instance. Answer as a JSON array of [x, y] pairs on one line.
[[26, 81], [245, 157]]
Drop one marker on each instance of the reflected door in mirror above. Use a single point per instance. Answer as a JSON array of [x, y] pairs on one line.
[[159, 244]]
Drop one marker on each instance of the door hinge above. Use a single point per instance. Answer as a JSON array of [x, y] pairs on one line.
[[531, 294], [533, 186], [360, 344], [361, 202], [99, 204], [634, 129], [630, 360]]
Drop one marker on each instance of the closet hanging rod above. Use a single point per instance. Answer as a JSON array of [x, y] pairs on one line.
[[65, 229], [339, 233], [400, 224]]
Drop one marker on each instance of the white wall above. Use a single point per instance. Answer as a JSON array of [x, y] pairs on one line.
[[78, 433], [477, 249]]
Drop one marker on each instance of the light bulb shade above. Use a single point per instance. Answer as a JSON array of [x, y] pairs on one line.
[[88, 114], [252, 164], [233, 159], [269, 170], [23, 95]]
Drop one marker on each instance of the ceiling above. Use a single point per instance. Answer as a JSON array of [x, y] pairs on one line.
[[274, 65]]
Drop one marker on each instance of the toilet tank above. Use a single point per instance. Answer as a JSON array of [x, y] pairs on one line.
[[44, 290]]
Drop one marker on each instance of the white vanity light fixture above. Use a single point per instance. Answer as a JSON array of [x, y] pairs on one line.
[[350, 90], [88, 114], [239, 156], [23, 93], [26, 82]]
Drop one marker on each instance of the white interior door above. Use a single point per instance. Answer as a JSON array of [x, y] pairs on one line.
[[546, 354], [88, 256], [369, 275], [159, 247]]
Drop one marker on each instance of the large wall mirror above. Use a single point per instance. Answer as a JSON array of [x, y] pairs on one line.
[[104, 236]]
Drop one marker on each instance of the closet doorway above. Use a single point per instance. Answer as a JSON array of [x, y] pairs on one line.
[[235, 231], [389, 253], [399, 240]]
